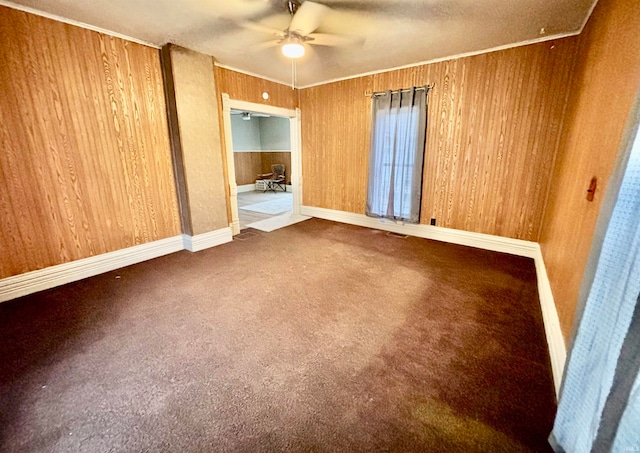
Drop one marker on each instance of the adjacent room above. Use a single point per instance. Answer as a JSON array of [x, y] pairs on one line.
[[332, 225], [262, 164]]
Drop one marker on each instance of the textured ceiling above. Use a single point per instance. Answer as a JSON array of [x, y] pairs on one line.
[[392, 32]]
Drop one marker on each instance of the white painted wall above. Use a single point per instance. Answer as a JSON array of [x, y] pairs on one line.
[[246, 134], [260, 134], [274, 134]]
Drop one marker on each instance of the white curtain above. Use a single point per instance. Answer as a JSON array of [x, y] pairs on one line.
[[398, 131], [599, 408]]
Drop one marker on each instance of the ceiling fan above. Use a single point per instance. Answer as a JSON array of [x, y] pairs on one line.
[[306, 18], [248, 115]]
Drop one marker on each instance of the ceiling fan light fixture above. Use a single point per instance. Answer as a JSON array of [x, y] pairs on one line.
[[292, 48]]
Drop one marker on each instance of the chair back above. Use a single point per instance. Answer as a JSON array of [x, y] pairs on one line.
[[278, 170]]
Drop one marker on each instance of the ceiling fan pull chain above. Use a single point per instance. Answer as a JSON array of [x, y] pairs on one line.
[[293, 74]]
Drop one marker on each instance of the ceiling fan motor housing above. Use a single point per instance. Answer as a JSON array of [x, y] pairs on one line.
[[292, 6]]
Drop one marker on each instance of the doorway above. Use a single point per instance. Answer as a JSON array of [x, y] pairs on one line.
[[251, 153]]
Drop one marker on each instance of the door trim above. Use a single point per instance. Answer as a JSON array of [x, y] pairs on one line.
[[296, 147]]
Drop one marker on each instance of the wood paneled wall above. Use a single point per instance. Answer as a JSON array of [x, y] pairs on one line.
[[268, 159], [243, 87], [250, 164], [493, 129], [604, 89], [247, 88], [85, 164]]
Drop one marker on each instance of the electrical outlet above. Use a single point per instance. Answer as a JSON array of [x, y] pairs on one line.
[[433, 221]]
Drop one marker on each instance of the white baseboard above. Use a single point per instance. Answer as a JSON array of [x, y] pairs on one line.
[[49, 277], [207, 240], [246, 188], [553, 332], [483, 241]]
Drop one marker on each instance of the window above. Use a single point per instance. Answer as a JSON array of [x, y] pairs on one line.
[[399, 121]]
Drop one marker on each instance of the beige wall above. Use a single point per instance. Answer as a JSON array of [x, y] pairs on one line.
[[603, 91], [200, 155]]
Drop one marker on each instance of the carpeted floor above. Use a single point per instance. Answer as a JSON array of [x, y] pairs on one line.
[[318, 337]]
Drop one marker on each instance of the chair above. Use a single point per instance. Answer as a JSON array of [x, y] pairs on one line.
[[274, 180]]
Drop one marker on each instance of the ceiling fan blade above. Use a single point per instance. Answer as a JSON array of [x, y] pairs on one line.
[[308, 18], [326, 39], [260, 27], [266, 44]]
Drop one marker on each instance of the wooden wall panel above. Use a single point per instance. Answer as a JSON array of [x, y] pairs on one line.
[[247, 88], [494, 123], [243, 87], [335, 144], [249, 165], [85, 165], [270, 158], [604, 89]]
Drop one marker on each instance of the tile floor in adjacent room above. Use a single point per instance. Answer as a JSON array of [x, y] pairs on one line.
[[249, 198]]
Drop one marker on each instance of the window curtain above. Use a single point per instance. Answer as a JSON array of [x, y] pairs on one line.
[[599, 408], [398, 131]]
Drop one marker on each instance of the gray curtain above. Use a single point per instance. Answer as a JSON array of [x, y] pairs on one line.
[[398, 130]]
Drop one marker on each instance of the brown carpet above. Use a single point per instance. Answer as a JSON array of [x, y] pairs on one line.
[[318, 337]]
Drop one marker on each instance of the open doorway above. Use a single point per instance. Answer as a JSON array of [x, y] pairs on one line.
[[264, 165], [262, 159]]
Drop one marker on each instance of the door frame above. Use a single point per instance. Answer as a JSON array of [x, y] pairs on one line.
[[296, 147]]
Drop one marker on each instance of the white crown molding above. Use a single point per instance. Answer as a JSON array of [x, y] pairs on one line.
[[76, 23], [447, 58], [553, 332], [252, 74], [207, 240], [84, 25], [49, 277], [586, 19]]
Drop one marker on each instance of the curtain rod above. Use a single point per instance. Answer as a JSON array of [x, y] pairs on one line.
[[380, 93]]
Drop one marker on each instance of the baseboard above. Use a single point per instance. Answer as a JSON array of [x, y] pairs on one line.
[[555, 340], [207, 240], [553, 331], [49, 277], [483, 241], [246, 188]]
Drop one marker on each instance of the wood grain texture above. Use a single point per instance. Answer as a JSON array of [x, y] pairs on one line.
[[247, 88], [250, 164], [493, 129], [242, 87], [85, 166], [604, 90], [270, 158], [335, 144]]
